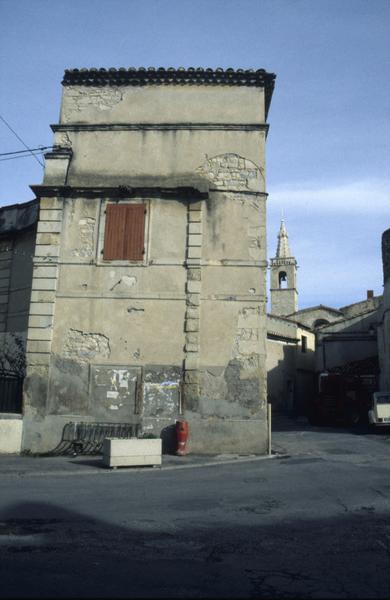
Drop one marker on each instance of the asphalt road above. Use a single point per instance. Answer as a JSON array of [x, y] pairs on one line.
[[314, 525]]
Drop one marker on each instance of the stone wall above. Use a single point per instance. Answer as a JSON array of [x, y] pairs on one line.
[[384, 316], [182, 332]]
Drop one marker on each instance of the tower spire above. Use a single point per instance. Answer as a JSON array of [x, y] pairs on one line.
[[284, 294], [283, 249]]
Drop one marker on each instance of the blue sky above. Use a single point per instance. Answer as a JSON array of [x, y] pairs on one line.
[[328, 147]]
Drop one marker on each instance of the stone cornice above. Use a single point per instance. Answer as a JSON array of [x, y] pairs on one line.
[[160, 127], [121, 191], [172, 76]]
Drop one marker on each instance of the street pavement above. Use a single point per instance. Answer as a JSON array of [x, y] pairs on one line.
[[310, 522]]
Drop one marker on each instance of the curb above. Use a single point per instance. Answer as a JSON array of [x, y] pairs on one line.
[[156, 469]]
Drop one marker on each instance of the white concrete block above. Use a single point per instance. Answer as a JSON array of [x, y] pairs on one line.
[[39, 283], [39, 333], [50, 204], [49, 226], [131, 452], [47, 250], [11, 435], [50, 215], [42, 308], [49, 271], [40, 321]]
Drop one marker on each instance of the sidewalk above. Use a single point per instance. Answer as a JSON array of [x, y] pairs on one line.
[[30, 466]]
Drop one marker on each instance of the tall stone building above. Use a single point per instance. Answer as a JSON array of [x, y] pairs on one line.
[[149, 285], [384, 316], [284, 294]]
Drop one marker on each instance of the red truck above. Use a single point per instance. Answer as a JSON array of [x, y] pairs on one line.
[[344, 397]]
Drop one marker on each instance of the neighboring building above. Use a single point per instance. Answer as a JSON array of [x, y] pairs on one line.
[[348, 340], [384, 317], [149, 286], [290, 343], [316, 316], [17, 242]]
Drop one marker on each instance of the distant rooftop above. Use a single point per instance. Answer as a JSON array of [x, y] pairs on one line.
[[172, 76]]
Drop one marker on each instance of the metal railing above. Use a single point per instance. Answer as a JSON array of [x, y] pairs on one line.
[[87, 438]]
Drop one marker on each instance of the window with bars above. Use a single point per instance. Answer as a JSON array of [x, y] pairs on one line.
[[124, 232]]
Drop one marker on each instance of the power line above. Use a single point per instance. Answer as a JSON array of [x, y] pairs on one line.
[[20, 140], [24, 151], [20, 156]]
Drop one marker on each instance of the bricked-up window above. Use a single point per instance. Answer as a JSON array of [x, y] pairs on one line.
[[124, 232]]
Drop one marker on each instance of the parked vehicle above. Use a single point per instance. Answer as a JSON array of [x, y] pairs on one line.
[[342, 397], [379, 413]]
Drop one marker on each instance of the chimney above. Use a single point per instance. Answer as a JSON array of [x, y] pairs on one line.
[[370, 294]]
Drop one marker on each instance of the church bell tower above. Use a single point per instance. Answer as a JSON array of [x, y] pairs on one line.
[[284, 295]]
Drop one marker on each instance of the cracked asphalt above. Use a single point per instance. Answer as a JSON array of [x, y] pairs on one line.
[[313, 523]]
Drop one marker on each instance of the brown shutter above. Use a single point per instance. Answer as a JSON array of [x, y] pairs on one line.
[[133, 242], [124, 232]]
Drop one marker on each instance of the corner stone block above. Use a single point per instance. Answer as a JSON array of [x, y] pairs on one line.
[[47, 239], [40, 321], [47, 250], [194, 274], [194, 252], [195, 205], [49, 226], [195, 228], [191, 347], [48, 271], [43, 296], [42, 308], [191, 363], [44, 284], [194, 287], [194, 240], [38, 346], [192, 313], [193, 300], [50, 203], [40, 333], [50, 215], [192, 325], [191, 377], [37, 359], [192, 337], [195, 216]]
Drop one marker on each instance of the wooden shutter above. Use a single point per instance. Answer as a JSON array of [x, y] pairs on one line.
[[124, 232]]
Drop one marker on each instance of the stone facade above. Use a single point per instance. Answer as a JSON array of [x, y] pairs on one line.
[[290, 364], [17, 241], [181, 332], [384, 316]]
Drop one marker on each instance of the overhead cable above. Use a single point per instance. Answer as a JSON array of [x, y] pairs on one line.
[[20, 140], [24, 151]]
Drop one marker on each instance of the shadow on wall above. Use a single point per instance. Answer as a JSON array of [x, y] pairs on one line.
[[291, 383], [51, 551]]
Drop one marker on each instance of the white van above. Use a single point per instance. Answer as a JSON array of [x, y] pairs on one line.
[[379, 414]]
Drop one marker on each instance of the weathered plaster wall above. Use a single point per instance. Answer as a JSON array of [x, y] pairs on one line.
[[183, 331], [136, 151], [161, 104]]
